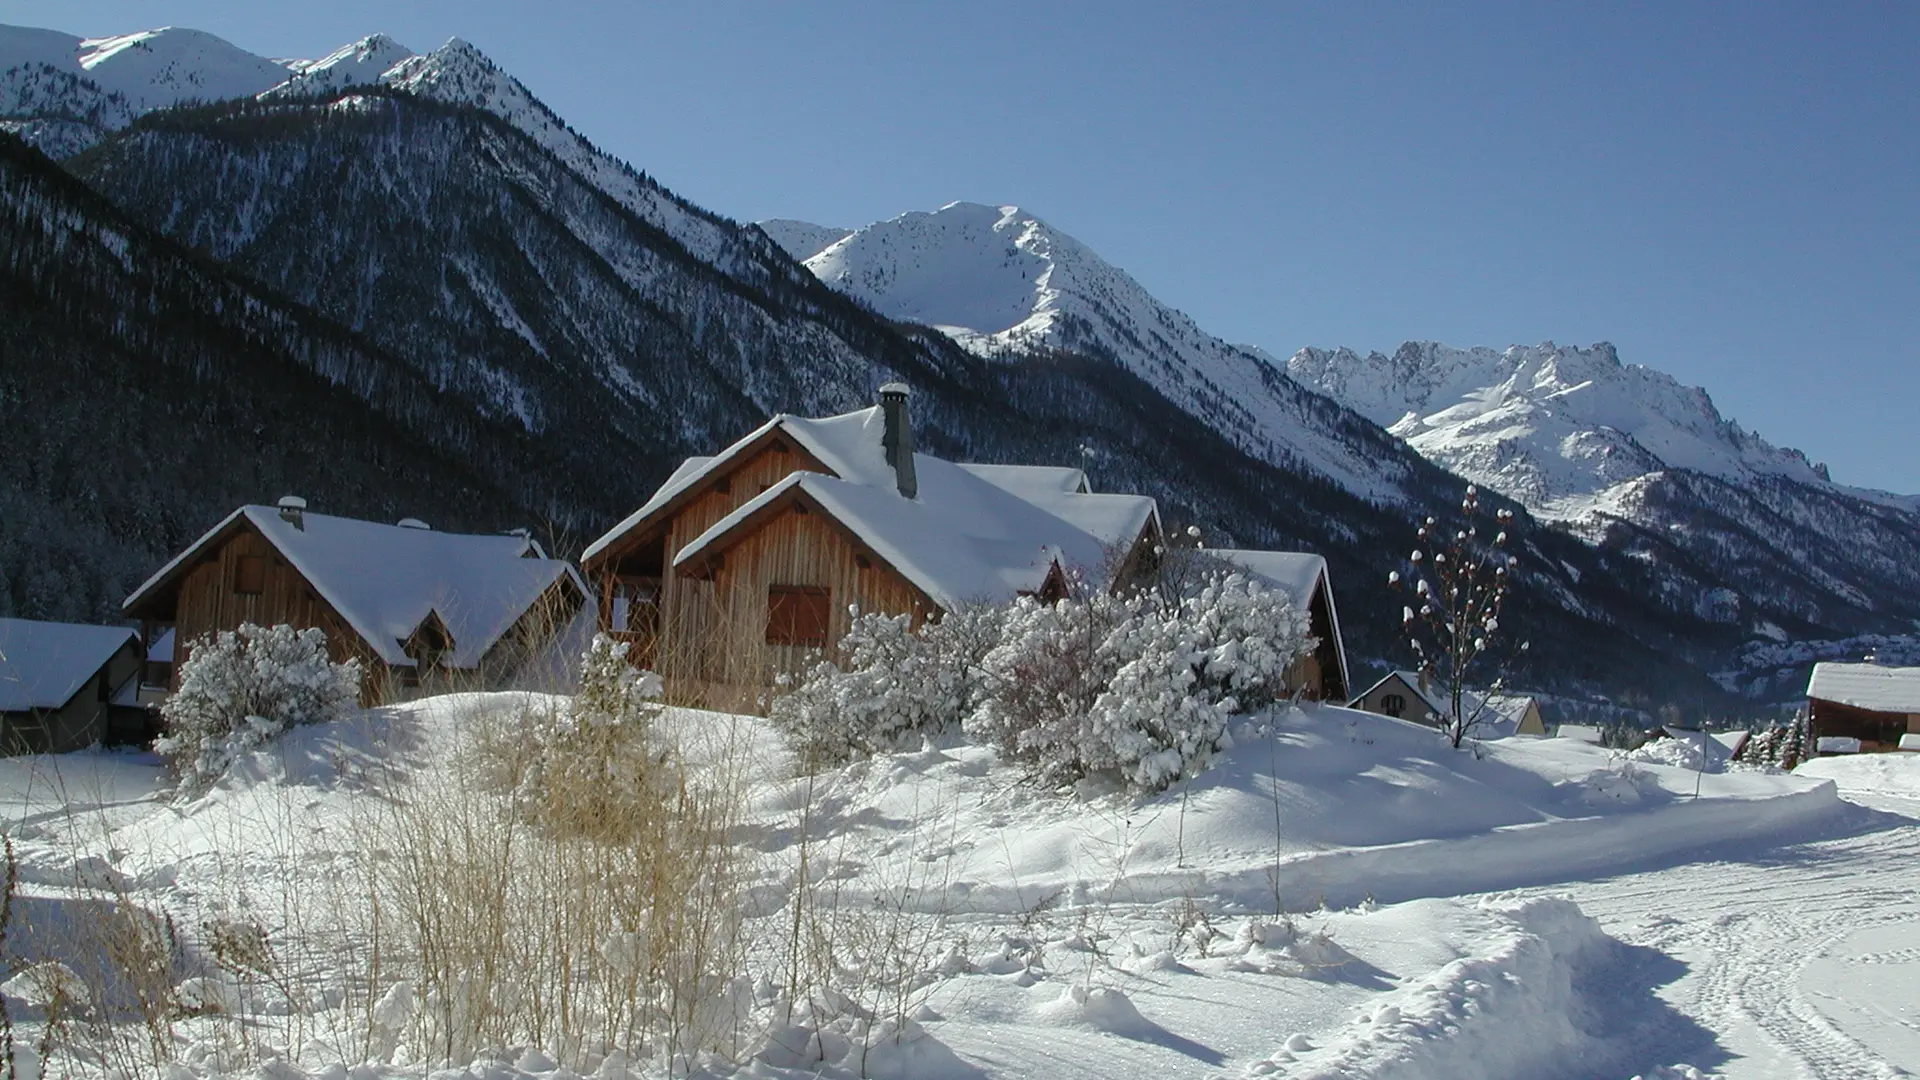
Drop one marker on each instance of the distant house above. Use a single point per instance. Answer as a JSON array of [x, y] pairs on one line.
[[416, 606], [1410, 696], [1854, 708], [1321, 675], [64, 686], [745, 564], [1586, 733]]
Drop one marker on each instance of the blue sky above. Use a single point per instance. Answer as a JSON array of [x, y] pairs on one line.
[[1729, 192]]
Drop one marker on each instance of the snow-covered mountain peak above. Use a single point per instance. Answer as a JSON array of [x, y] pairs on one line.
[[802, 239], [1557, 427], [149, 68], [359, 63], [1004, 283], [977, 270]]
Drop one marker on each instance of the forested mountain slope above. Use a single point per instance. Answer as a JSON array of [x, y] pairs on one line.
[[146, 390]]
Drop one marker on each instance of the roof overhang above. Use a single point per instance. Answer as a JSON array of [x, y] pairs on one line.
[[659, 512]]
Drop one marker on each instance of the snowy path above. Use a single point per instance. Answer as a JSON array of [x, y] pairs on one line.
[[1802, 960]]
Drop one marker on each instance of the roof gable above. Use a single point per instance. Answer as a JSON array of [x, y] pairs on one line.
[[43, 664], [847, 446], [384, 580]]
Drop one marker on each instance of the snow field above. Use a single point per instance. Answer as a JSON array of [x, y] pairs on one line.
[[917, 914]]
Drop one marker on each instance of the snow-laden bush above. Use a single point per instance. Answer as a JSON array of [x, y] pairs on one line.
[[240, 688], [891, 686], [1052, 664], [594, 765], [1139, 687], [1182, 672]]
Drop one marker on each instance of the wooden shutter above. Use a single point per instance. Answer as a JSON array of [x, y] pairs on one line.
[[797, 615], [250, 575]]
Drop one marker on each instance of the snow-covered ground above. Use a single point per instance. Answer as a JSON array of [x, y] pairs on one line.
[[1535, 908]]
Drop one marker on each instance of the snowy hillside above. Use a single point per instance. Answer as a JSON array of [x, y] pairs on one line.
[[359, 64], [802, 239], [151, 68], [929, 914], [1557, 427], [1002, 282]]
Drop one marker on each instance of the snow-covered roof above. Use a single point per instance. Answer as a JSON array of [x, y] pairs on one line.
[[1028, 481], [1113, 519], [1867, 686], [1497, 714], [848, 445], [43, 664], [1585, 733], [1297, 573], [972, 533], [385, 580], [961, 540]]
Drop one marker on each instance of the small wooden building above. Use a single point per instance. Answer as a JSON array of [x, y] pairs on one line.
[[1322, 674], [65, 686], [748, 564], [419, 608], [1863, 707], [1409, 696]]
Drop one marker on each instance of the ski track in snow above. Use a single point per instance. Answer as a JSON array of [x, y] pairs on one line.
[[1755, 929]]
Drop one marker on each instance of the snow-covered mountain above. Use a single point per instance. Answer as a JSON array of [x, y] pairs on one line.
[[1004, 283], [1626, 456], [63, 93], [1559, 428], [803, 239], [359, 64], [151, 68]]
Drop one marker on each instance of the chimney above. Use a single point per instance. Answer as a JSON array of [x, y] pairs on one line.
[[897, 440], [293, 511]]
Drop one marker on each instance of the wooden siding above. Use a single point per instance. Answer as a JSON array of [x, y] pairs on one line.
[[1875, 730], [713, 499], [208, 601], [1322, 680], [716, 628]]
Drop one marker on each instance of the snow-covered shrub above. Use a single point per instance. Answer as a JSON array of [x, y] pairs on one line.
[[240, 688], [1041, 681], [1138, 686], [594, 766], [1184, 672], [891, 685]]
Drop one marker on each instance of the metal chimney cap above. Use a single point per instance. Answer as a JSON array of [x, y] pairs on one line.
[[291, 502], [893, 389]]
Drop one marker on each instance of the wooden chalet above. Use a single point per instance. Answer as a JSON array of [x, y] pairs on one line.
[[1322, 674], [66, 686], [1407, 695], [417, 607], [747, 564], [1863, 708]]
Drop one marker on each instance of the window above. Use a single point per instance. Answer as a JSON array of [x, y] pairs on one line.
[[1393, 704], [798, 615], [250, 575]]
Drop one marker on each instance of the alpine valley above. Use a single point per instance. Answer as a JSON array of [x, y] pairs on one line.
[[397, 283]]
